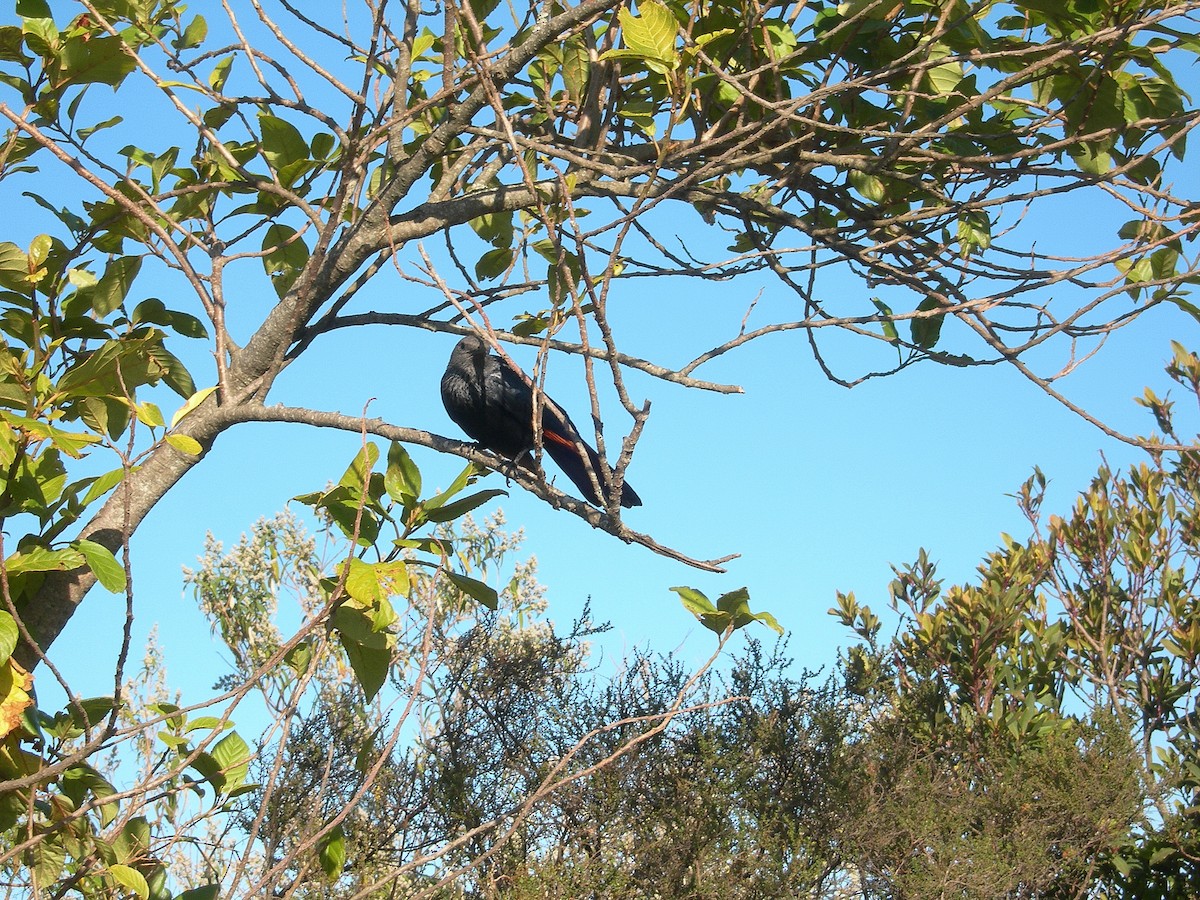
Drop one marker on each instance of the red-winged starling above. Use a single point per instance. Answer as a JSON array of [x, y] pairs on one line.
[[493, 404]]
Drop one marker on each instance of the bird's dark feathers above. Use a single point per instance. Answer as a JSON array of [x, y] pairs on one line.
[[493, 404]]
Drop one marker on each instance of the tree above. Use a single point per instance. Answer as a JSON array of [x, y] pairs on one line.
[[1053, 703], [909, 144]]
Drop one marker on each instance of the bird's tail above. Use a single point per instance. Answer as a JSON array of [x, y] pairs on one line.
[[566, 454]]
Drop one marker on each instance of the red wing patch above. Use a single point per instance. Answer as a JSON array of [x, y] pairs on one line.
[[559, 439]]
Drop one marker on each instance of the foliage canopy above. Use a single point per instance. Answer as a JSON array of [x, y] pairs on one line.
[[562, 150]]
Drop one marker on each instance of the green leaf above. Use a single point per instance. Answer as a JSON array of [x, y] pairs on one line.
[[1187, 306], [369, 664], [870, 186], [46, 860], [149, 414], [737, 605], [1092, 157], [331, 850], [285, 256], [357, 625], [84, 134], [944, 78], [577, 65], [731, 611], [694, 601], [650, 35], [357, 473], [11, 40], [14, 267], [888, 325], [93, 60], [402, 479], [205, 722], [1164, 263], [233, 756], [341, 504], [133, 841], [322, 144], [71, 443], [9, 635], [436, 546], [1162, 854], [154, 312], [463, 506], [475, 589], [175, 742], [1094, 105], [495, 228], [974, 232], [220, 74], [81, 779], [41, 35], [113, 287], [927, 330], [370, 583], [281, 141], [204, 763], [299, 657], [170, 368], [193, 35], [131, 879], [204, 892], [39, 559], [639, 113], [33, 9], [93, 711], [96, 374], [469, 472], [108, 571], [494, 263]]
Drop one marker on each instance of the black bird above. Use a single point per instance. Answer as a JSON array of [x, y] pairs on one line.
[[493, 404]]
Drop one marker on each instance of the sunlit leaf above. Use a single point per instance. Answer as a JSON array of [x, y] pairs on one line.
[[192, 402], [107, 569], [402, 479], [9, 634], [232, 754], [185, 444], [331, 851], [15, 698], [650, 35], [193, 35]]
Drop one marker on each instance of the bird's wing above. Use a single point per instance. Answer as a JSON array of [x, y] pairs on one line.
[[560, 437]]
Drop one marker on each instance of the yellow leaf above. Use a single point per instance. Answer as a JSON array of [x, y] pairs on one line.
[[185, 444], [192, 402], [15, 684]]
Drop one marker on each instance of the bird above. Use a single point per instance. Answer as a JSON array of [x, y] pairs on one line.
[[489, 400]]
